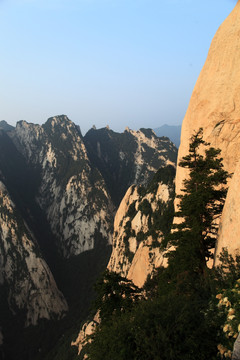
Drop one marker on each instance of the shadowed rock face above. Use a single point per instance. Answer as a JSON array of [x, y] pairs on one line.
[[5, 126], [127, 158], [71, 192], [24, 274], [63, 201]]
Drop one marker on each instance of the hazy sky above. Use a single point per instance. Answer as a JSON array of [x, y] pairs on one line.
[[117, 62]]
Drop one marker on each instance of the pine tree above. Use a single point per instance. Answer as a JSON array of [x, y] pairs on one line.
[[115, 294], [200, 206]]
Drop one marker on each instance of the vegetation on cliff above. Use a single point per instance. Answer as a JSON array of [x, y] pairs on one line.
[[179, 316], [200, 206]]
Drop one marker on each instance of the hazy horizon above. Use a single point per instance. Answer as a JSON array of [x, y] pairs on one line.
[[104, 62]]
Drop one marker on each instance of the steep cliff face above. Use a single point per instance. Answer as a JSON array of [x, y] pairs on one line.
[[24, 275], [215, 101], [71, 192], [229, 229], [128, 158], [144, 215], [215, 106]]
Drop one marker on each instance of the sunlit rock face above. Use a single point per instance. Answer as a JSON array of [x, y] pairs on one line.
[[215, 101], [24, 275], [127, 158], [229, 230], [71, 191], [138, 228], [87, 329], [215, 106]]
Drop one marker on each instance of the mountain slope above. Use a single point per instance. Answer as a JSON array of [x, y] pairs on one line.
[[71, 192], [128, 158], [63, 188], [143, 217], [5, 126], [24, 275]]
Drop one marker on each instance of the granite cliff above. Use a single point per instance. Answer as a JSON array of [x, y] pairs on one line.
[[143, 217], [215, 106], [25, 277], [71, 192], [64, 189]]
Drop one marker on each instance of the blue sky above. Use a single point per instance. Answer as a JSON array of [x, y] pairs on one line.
[[104, 62]]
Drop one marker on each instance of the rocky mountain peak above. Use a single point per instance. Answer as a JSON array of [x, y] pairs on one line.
[[71, 192], [62, 129], [5, 126], [61, 122]]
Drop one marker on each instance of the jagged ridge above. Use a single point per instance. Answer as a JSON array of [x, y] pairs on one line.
[[128, 158]]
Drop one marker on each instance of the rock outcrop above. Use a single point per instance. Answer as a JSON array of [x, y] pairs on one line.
[[144, 215], [24, 275], [87, 329]]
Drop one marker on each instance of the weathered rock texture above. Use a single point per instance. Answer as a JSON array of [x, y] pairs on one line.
[[229, 230], [71, 192], [63, 204], [79, 179], [138, 228], [144, 215], [127, 158], [215, 106], [24, 274]]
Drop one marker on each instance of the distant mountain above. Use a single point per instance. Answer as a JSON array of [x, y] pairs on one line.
[[71, 192], [128, 158], [58, 195], [5, 126], [171, 131]]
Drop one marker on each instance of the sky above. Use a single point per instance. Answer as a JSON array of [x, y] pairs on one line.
[[104, 62]]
